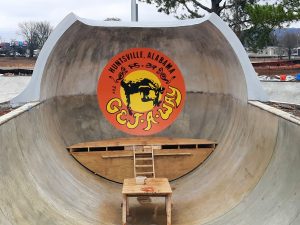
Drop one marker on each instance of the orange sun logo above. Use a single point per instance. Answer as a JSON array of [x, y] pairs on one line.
[[141, 91]]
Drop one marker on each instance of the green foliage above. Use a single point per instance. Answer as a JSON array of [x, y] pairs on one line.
[[257, 37], [252, 20], [270, 15], [235, 15], [265, 18], [166, 6], [189, 8]]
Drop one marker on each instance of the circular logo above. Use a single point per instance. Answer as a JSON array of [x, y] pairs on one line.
[[141, 91]]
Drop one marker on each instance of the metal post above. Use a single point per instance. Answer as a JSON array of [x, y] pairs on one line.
[[134, 11]]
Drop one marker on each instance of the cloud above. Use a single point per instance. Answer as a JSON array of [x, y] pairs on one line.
[[13, 12]]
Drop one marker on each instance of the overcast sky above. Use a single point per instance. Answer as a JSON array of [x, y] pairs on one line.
[[13, 12]]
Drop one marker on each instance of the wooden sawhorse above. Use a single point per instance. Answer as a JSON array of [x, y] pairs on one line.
[[155, 187]]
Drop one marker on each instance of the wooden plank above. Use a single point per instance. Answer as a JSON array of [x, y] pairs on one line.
[[116, 156], [143, 159], [141, 173], [174, 154], [134, 161], [155, 141], [153, 162], [143, 166], [155, 154], [168, 209], [153, 186], [124, 209]]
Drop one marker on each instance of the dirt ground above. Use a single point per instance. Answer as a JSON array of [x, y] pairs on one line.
[[277, 67], [4, 111], [290, 108], [277, 70], [17, 62]]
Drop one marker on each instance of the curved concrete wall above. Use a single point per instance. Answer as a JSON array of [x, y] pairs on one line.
[[206, 62], [251, 178], [206, 50]]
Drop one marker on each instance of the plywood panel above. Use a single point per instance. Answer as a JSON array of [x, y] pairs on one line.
[[118, 165], [115, 169], [142, 141]]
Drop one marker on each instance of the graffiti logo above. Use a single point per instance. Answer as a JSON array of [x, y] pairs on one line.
[[141, 101], [147, 89]]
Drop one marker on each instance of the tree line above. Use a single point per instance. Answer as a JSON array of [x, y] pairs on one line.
[[253, 21], [35, 33]]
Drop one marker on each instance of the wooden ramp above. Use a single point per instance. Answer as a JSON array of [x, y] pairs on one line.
[[117, 159]]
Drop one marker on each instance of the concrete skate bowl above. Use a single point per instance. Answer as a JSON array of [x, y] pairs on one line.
[[251, 178]]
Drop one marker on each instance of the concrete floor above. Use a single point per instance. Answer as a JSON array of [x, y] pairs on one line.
[[288, 92], [10, 87]]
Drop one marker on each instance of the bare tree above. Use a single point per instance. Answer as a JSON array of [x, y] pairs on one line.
[[44, 30], [35, 33]]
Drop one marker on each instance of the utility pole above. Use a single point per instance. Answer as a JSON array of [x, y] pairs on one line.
[[134, 11]]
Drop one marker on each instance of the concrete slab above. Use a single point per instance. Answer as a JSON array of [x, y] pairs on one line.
[[10, 87], [288, 92]]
